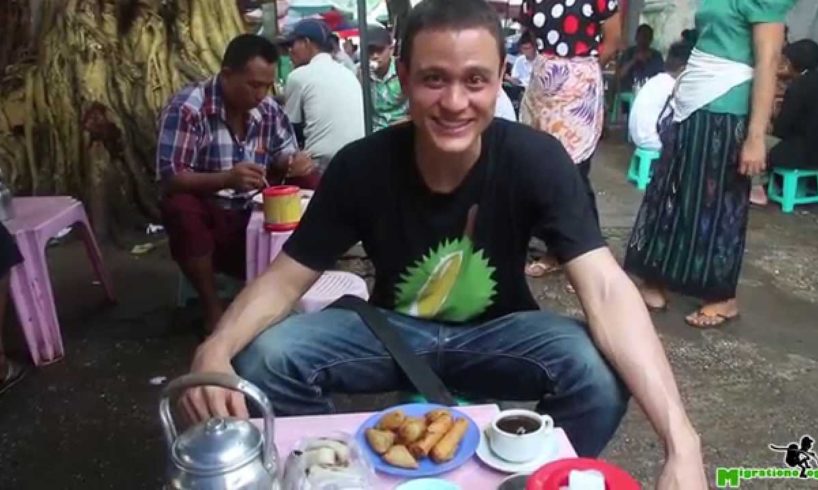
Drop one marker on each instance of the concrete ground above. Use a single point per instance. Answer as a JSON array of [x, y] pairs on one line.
[[90, 421]]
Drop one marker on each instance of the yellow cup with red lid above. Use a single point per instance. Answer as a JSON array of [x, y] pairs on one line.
[[282, 207]]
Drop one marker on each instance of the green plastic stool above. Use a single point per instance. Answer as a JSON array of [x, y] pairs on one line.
[[227, 286], [640, 169], [791, 187], [619, 99]]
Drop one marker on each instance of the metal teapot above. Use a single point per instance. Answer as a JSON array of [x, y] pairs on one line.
[[221, 453]]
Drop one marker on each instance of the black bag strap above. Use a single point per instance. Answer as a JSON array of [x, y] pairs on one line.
[[428, 384]]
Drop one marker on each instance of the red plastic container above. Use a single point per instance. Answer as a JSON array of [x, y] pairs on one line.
[[554, 476]]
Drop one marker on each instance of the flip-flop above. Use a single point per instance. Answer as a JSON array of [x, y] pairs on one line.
[[540, 269], [719, 320], [15, 372]]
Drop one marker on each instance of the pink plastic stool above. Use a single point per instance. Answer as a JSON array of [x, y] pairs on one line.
[[262, 249], [329, 287], [36, 221]]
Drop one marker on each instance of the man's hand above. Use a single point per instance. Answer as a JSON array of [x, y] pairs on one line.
[[301, 164], [753, 156], [245, 176], [205, 402], [683, 471]]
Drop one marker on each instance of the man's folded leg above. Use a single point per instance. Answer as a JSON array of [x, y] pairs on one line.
[[539, 356], [302, 360], [204, 239]]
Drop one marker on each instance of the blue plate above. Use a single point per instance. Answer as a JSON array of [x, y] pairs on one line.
[[427, 467]]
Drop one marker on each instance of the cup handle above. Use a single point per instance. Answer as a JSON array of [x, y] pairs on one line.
[[547, 422]]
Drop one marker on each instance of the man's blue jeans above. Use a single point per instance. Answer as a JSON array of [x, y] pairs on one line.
[[523, 356]]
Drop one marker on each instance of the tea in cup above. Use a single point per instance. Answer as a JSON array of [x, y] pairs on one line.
[[282, 208], [518, 436]]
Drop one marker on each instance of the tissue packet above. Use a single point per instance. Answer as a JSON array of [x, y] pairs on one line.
[[332, 462]]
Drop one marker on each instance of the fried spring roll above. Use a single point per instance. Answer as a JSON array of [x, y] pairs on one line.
[[444, 450], [435, 414], [434, 433]]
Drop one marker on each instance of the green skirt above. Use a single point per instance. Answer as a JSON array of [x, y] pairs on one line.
[[689, 235]]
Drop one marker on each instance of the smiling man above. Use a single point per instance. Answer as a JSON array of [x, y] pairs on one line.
[[445, 206]]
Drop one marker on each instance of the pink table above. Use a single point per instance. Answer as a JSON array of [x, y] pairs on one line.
[[262, 245], [472, 475]]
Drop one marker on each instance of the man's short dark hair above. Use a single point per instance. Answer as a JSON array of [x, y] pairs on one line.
[[244, 48], [527, 38], [450, 14], [803, 55], [334, 40], [677, 56], [645, 29]]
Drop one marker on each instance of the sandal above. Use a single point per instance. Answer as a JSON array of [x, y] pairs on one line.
[[15, 372], [540, 269], [702, 320]]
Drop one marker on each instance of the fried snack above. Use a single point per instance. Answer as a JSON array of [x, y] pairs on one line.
[[380, 440], [444, 450], [392, 420], [434, 433], [411, 430], [399, 456], [435, 414]]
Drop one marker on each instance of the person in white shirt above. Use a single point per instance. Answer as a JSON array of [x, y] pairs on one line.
[[340, 55], [521, 69], [504, 108], [321, 95], [651, 101]]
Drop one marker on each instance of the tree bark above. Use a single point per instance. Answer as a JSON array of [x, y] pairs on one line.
[[81, 118]]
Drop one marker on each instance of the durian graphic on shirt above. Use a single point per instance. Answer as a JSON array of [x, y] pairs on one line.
[[453, 282]]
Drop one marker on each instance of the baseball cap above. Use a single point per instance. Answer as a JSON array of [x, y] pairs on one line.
[[312, 29], [378, 36]]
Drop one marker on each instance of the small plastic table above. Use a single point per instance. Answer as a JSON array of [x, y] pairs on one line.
[[471, 476], [262, 246]]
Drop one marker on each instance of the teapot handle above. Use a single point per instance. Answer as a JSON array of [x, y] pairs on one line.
[[223, 380]]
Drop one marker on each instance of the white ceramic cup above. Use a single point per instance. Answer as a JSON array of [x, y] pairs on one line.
[[520, 448]]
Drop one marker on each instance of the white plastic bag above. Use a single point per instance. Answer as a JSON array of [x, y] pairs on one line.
[[333, 462]]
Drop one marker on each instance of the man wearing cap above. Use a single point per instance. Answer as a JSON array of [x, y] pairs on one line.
[[389, 105], [321, 95]]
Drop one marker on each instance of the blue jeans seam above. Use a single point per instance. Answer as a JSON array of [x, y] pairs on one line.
[[317, 371], [539, 364]]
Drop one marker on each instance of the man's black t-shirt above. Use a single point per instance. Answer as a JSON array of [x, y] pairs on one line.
[[453, 257]]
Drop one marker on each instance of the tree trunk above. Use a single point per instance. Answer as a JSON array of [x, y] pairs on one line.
[[80, 119]]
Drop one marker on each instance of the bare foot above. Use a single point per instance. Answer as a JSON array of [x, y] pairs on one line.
[[653, 296], [713, 314], [758, 196]]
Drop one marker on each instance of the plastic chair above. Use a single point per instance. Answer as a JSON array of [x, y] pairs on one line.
[[329, 287], [228, 287], [791, 187], [36, 221], [616, 107], [640, 170]]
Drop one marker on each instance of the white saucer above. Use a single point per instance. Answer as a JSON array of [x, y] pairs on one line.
[[485, 454]]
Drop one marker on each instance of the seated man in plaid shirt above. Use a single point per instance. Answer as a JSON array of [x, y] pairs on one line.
[[218, 141]]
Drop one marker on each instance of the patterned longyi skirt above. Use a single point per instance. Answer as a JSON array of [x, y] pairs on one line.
[[689, 235]]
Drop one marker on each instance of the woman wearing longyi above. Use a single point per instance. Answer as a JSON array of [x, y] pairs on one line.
[[565, 96], [690, 231]]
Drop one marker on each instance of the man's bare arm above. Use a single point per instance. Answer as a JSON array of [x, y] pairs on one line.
[[622, 330], [264, 302]]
